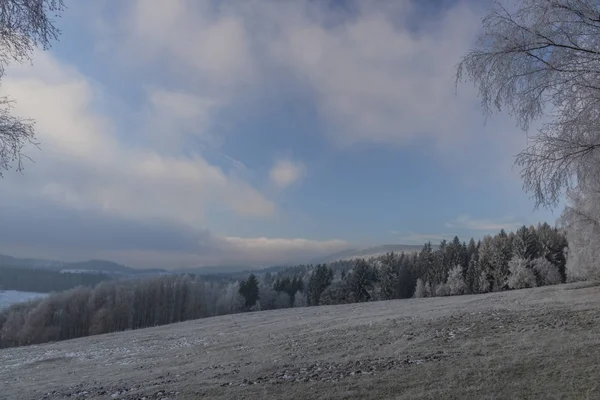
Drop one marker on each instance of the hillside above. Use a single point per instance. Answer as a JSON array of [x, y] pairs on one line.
[[535, 344], [104, 266]]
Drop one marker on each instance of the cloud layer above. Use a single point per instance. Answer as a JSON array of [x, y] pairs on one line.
[[285, 172], [147, 152]]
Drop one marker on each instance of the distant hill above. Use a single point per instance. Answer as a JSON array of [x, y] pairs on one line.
[[104, 266], [217, 272], [351, 254], [9, 261]]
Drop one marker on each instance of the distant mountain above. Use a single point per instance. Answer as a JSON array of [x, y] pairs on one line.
[[10, 261], [351, 254], [218, 272], [103, 266]]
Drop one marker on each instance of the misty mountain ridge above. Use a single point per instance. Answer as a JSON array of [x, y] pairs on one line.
[[368, 252], [114, 268]]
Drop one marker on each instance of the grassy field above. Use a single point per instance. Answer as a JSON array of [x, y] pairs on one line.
[[539, 343]]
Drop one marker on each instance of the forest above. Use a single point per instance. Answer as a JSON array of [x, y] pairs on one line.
[[530, 257], [44, 280]]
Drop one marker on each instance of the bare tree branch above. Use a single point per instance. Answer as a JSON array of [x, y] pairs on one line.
[[24, 26], [543, 60]]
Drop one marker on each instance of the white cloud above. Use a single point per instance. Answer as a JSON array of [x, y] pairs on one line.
[[286, 172], [231, 251], [378, 80], [210, 250], [488, 225], [180, 104], [86, 164], [291, 250], [376, 76], [190, 36]]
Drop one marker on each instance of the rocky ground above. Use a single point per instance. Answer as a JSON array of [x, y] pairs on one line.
[[529, 344]]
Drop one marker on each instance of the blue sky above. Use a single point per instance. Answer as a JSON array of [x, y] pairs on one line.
[[186, 133]]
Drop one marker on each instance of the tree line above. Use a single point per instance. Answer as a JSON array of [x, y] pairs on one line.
[[529, 257]]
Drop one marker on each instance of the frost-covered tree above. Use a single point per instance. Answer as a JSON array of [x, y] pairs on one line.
[[320, 279], [543, 60], [420, 289], [546, 272], [231, 301], [336, 293], [361, 281], [456, 281], [426, 264], [525, 244], [552, 246], [487, 256], [441, 289], [521, 274], [24, 26], [268, 297], [300, 299], [581, 220], [471, 249], [428, 291], [483, 282]]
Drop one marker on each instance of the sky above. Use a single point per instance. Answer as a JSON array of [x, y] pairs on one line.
[[186, 133]]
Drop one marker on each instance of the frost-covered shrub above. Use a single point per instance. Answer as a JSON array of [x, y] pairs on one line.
[[282, 300], [442, 289], [483, 283], [456, 282], [336, 293], [547, 273], [420, 289], [428, 291], [299, 299], [581, 220], [521, 274]]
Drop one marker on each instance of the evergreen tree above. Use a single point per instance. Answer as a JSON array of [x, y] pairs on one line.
[[501, 255], [473, 273], [486, 256], [336, 293], [420, 289], [441, 264], [249, 290], [472, 248], [390, 277], [320, 279], [524, 245], [361, 281], [552, 245], [407, 276], [426, 263]]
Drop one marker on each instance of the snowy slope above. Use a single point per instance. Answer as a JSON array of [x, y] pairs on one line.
[[536, 343]]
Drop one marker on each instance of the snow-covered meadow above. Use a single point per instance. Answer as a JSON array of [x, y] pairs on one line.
[[535, 343]]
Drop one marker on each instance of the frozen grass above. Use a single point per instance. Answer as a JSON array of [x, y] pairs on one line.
[[538, 343]]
